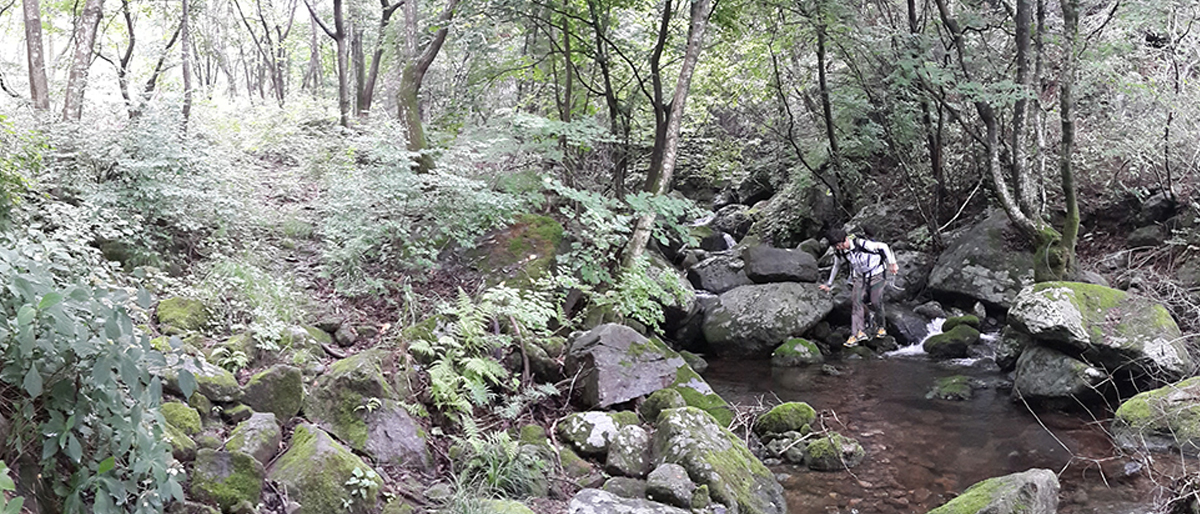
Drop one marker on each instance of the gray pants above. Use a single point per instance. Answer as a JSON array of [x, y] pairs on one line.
[[857, 301]]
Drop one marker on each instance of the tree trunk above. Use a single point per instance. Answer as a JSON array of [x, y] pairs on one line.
[[85, 42], [339, 36], [187, 66], [823, 85], [312, 74], [662, 110], [1066, 249], [360, 71], [373, 74], [38, 88], [699, 22], [1025, 188], [408, 97]]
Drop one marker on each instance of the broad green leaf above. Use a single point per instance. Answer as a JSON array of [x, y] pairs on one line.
[[33, 382], [50, 300], [187, 383], [143, 298], [106, 465], [74, 450], [25, 315]]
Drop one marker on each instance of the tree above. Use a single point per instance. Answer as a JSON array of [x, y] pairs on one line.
[[186, 48], [85, 42], [339, 36], [1063, 264], [409, 105], [134, 106], [367, 95], [700, 12], [270, 42], [38, 88]]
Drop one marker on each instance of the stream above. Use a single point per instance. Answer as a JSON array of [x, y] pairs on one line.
[[922, 452]]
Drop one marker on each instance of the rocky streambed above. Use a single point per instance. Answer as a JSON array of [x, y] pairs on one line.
[[922, 451]]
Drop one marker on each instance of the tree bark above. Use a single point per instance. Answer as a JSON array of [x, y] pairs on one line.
[[1065, 260], [339, 36], [700, 11], [187, 65], [823, 84], [407, 97], [85, 42], [662, 110], [1025, 188], [360, 70], [373, 75], [312, 74], [38, 89]]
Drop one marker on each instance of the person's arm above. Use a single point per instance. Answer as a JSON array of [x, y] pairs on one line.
[[876, 246], [832, 273]]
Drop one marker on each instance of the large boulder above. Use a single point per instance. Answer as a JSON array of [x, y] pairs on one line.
[[719, 273], [765, 264], [952, 344], [1029, 492], [1051, 377], [356, 400], [226, 478], [979, 265], [314, 471], [616, 364], [833, 452], [212, 381], [596, 501], [520, 253], [629, 453], [753, 320], [278, 390], [733, 219], [905, 325], [1109, 327], [714, 456], [676, 310], [591, 433], [258, 437], [1165, 419], [178, 315]]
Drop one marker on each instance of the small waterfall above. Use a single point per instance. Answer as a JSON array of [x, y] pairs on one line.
[[933, 328]]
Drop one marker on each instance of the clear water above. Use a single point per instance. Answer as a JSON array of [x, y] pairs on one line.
[[923, 452]]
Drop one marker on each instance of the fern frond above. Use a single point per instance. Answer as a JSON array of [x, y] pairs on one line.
[[485, 369]]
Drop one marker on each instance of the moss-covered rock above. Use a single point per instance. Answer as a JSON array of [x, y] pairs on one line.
[[969, 319], [659, 401], [579, 470], [979, 264], [315, 470], [180, 416], [278, 390], [183, 448], [785, 417], [521, 253], [1107, 326], [590, 433], [1165, 419], [258, 437], [714, 456], [956, 387], [226, 478], [1030, 492], [697, 393], [629, 453], [504, 507], [952, 344], [833, 452], [181, 315], [796, 352], [214, 382]]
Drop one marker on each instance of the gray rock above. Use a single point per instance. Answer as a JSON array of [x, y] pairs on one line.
[[833, 452], [733, 219], [346, 335], [931, 310], [258, 437], [765, 264], [1029, 492], [719, 273], [591, 433], [616, 364], [675, 310], [1108, 327], [279, 390], [226, 478], [669, 484], [907, 326], [812, 246], [595, 501], [629, 453], [1161, 420], [1008, 349], [912, 278], [314, 472], [788, 446], [796, 352], [1050, 377], [978, 264], [696, 362], [715, 457], [1158, 208], [212, 381], [626, 487], [952, 344], [717, 242], [752, 320]]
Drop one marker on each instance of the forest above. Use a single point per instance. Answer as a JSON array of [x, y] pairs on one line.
[[204, 203]]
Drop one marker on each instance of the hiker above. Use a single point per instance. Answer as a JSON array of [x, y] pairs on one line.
[[867, 276]]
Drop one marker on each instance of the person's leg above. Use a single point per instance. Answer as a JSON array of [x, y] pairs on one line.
[[857, 310], [877, 288]]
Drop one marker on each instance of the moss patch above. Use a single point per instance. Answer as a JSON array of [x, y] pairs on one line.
[[956, 387], [315, 470], [687, 383], [659, 401], [182, 314], [969, 319], [1168, 416], [523, 252], [796, 352], [787, 417], [182, 417], [227, 478]]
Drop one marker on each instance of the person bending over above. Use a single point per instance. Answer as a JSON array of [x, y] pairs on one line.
[[867, 262]]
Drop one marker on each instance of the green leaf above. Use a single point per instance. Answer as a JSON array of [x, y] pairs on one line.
[[25, 315], [106, 465], [187, 383], [74, 450], [50, 300], [14, 506], [143, 298], [33, 382]]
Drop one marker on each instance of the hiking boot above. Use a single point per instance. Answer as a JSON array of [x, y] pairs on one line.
[[881, 332], [854, 339]]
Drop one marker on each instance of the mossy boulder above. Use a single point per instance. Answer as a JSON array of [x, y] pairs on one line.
[[358, 401], [659, 401], [521, 253], [226, 478], [258, 437], [956, 387], [577, 469], [629, 453], [1105, 326], [504, 507], [697, 393], [969, 319], [591, 433], [183, 448], [1055, 379], [1012, 343], [626, 487], [1029, 492], [833, 452], [178, 315], [796, 352], [1165, 419], [214, 382], [979, 264], [180, 416], [952, 344], [752, 320], [785, 417], [600, 501], [714, 456], [278, 390], [315, 470]]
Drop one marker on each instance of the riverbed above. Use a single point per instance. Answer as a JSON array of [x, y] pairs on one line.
[[922, 452]]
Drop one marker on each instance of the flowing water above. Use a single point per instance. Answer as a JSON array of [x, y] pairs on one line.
[[922, 452]]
